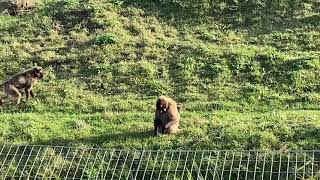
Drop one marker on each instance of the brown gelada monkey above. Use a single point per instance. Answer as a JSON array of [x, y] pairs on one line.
[[22, 81], [167, 116]]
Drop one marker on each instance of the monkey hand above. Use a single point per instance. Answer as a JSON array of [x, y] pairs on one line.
[[170, 123], [158, 133], [165, 131]]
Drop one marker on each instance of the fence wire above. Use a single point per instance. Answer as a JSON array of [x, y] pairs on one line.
[[57, 162]]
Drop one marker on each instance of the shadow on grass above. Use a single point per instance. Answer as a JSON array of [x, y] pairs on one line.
[[249, 16], [99, 139]]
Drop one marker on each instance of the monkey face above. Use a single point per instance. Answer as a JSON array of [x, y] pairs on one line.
[[163, 106], [38, 72]]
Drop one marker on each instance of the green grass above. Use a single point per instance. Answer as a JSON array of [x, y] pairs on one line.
[[218, 130], [246, 79]]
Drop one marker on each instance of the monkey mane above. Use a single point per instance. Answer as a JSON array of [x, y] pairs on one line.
[[171, 103]]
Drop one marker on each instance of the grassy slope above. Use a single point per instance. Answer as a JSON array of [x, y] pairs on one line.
[[107, 62]]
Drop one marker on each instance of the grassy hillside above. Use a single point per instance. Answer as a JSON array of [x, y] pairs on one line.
[[247, 73]]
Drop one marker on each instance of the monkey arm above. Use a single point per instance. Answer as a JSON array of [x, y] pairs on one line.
[[156, 123], [31, 93], [27, 91], [170, 123], [174, 119], [155, 126]]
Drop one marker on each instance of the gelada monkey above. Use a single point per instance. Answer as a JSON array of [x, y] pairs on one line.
[[22, 81], [167, 116]]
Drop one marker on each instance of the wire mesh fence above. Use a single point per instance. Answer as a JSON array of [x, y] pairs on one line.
[[56, 162]]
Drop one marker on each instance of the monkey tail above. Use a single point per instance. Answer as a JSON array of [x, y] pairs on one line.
[[179, 107]]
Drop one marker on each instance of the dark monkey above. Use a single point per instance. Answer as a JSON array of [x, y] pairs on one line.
[[167, 116], [24, 80]]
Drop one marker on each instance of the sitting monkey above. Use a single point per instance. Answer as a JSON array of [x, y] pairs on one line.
[[167, 116]]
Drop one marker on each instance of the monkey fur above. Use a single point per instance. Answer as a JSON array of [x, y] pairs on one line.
[[167, 116], [22, 81]]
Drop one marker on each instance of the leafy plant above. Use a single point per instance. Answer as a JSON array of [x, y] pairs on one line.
[[106, 39]]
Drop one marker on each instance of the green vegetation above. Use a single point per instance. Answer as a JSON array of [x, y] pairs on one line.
[[246, 72]]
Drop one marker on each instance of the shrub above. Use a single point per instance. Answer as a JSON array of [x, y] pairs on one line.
[[106, 39]]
